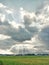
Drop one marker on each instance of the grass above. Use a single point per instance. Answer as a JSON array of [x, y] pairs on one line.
[[24, 60]]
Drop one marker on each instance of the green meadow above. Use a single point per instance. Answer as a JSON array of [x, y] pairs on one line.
[[24, 60]]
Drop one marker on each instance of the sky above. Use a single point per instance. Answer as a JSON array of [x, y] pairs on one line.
[[29, 5], [24, 26]]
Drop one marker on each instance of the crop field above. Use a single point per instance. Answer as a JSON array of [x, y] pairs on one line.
[[24, 60]]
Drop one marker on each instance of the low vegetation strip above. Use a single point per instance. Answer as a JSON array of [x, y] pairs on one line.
[[24, 60]]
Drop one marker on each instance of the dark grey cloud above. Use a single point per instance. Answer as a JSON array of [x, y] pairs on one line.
[[27, 22], [7, 43], [18, 35], [44, 35]]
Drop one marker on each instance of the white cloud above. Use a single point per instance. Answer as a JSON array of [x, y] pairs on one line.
[[3, 37], [2, 17], [16, 25], [21, 8], [9, 11], [2, 6], [5, 52]]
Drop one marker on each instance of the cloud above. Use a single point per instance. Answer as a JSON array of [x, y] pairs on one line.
[[3, 37], [19, 31], [25, 32], [9, 11], [44, 35], [21, 48], [16, 25], [7, 43], [5, 52], [2, 6], [2, 17]]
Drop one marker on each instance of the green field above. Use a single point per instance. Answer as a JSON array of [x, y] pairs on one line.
[[24, 60]]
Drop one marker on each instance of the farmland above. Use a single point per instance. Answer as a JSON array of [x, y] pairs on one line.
[[24, 60]]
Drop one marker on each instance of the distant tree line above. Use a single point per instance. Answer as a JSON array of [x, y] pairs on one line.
[[23, 54]]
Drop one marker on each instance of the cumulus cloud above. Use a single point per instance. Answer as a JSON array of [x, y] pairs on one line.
[[29, 34], [19, 31]]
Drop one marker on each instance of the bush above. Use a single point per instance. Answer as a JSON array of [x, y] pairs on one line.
[[1, 63]]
